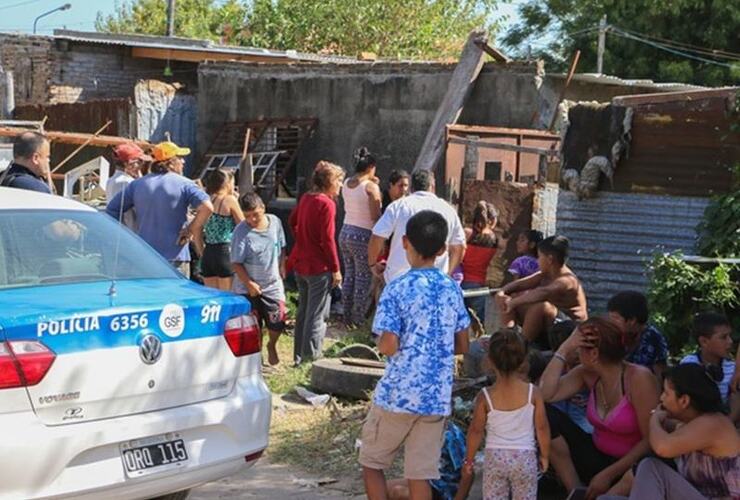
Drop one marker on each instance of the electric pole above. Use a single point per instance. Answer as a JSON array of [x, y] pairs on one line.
[[170, 17], [602, 42]]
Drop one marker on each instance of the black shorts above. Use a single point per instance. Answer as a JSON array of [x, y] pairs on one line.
[[216, 261], [270, 312]]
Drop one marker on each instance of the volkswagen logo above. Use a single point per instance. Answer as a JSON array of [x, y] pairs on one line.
[[150, 349]]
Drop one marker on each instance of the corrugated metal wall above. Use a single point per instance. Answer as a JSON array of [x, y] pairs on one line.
[[162, 108], [614, 236]]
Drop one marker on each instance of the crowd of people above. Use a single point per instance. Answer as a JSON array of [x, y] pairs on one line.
[[589, 400]]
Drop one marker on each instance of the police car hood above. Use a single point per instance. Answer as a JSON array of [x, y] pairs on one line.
[[102, 369]]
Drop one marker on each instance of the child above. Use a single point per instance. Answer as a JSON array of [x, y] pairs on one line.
[[422, 324], [258, 259], [482, 246], [712, 332], [512, 413], [526, 247]]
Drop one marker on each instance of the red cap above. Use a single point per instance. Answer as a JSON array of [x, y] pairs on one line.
[[129, 151]]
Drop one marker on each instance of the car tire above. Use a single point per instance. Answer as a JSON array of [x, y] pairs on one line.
[[360, 351], [331, 376], [178, 495]]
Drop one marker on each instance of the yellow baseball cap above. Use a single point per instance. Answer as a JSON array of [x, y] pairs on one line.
[[166, 150]]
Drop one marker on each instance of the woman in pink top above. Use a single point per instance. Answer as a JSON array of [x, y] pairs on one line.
[[362, 201], [621, 396]]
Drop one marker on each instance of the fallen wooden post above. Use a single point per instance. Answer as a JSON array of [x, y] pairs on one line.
[[459, 89], [81, 146], [77, 138]]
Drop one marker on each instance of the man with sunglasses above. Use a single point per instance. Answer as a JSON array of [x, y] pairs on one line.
[[128, 159]]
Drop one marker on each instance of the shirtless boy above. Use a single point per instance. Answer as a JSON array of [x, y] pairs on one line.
[[535, 302]]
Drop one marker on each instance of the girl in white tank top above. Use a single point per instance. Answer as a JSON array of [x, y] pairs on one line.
[[511, 415]]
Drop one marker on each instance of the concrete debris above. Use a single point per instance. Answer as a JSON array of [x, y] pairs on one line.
[[317, 400]]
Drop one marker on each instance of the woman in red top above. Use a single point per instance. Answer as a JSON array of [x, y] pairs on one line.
[[482, 246], [315, 259]]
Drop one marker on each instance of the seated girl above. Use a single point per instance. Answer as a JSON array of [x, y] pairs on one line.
[[526, 246], [705, 444], [620, 397]]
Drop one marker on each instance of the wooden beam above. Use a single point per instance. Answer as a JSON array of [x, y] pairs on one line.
[[81, 146], [571, 72], [497, 55], [202, 55], [486, 131], [507, 147], [76, 138], [458, 91]]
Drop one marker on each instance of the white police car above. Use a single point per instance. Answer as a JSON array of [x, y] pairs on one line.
[[118, 377]]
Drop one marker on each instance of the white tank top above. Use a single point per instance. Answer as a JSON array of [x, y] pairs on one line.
[[513, 429], [357, 205]]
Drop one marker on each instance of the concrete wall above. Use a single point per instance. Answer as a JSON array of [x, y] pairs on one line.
[[387, 107]]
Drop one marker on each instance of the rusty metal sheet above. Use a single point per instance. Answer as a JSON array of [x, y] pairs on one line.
[[680, 148], [82, 117]]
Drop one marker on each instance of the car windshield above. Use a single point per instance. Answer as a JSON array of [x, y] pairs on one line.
[[46, 247]]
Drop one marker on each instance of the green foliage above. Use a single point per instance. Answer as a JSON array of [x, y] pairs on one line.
[[434, 29], [720, 228], [678, 290], [557, 28], [204, 19]]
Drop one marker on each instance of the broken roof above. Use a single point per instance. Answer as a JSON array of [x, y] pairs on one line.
[[189, 49], [615, 80]]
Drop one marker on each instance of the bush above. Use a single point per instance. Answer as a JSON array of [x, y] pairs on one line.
[[679, 289]]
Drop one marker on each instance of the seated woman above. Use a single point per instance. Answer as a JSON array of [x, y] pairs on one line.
[[620, 398], [705, 444]]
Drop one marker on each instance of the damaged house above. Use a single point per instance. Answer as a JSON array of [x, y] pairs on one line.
[[622, 176]]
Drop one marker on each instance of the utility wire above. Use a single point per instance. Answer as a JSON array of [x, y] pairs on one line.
[[616, 31], [19, 4], [685, 46]]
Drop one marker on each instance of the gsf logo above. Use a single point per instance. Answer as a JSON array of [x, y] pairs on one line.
[[172, 320]]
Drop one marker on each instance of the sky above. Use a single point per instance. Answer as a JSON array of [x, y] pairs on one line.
[[18, 15]]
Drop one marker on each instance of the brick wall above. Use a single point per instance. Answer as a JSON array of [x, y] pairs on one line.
[[49, 71], [30, 60], [83, 72]]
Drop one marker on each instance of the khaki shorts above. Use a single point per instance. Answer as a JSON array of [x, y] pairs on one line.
[[384, 432]]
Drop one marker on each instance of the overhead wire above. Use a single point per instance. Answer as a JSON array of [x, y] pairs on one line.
[[686, 46], [616, 31], [19, 4]]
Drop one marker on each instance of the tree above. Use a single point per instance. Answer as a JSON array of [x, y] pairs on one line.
[[203, 19], [431, 29], [705, 29]]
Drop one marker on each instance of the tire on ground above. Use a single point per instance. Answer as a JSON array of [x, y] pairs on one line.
[[360, 351], [330, 376]]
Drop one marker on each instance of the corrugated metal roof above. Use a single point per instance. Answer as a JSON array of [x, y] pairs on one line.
[[614, 236], [615, 80], [191, 44]]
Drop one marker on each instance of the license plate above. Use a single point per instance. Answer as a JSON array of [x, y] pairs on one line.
[[153, 454]]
